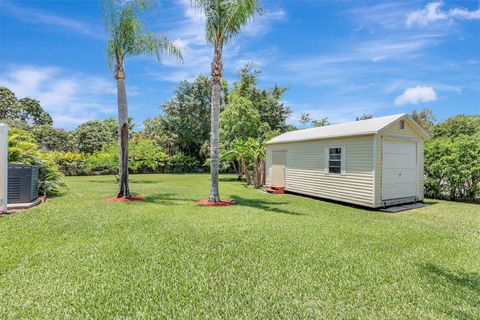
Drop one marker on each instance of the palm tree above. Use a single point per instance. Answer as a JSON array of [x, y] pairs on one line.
[[127, 37], [224, 20]]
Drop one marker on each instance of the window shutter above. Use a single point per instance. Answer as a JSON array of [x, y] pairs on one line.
[[344, 157], [326, 160]]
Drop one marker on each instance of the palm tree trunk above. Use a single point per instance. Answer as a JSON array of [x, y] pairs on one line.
[[215, 123], [123, 188]]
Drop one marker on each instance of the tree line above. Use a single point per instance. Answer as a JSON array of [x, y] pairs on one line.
[[175, 141], [207, 126]]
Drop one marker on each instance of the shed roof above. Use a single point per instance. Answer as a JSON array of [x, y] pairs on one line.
[[354, 128]]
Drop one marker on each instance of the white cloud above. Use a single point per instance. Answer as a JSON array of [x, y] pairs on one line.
[[465, 14], [382, 15], [30, 15], [71, 98], [433, 12], [416, 95]]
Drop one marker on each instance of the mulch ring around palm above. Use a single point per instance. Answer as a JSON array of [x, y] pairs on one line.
[[132, 198], [215, 204]]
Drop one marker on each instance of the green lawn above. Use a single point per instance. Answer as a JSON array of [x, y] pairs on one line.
[[269, 256]]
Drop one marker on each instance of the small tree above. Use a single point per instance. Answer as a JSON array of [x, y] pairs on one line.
[[305, 119], [425, 119], [251, 154], [268, 102], [321, 123], [127, 37], [364, 116]]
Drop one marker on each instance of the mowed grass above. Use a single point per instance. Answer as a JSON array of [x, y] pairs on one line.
[[268, 257]]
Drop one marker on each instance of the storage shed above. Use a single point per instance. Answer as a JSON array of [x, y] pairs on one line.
[[373, 163]]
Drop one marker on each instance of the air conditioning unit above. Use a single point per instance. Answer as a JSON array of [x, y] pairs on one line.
[[22, 183]]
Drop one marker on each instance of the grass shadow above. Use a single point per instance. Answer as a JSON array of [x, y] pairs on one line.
[[229, 179], [166, 199], [113, 181], [135, 181], [463, 285], [466, 280], [262, 205]]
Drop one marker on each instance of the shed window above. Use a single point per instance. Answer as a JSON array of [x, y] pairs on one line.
[[402, 124], [335, 160]]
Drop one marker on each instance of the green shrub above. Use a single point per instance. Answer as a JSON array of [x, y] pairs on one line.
[[104, 161], [452, 167], [71, 163], [144, 157], [181, 163], [22, 148]]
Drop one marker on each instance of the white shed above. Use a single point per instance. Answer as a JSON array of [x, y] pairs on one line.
[[373, 163]]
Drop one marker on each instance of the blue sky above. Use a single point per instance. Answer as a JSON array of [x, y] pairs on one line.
[[339, 59]]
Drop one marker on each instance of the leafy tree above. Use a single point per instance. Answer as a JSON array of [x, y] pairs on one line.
[[240, 120], [154, 130], [184, 126], [127, 37], [320, 123], [458, 125], [30, 111], [268, 102], [92, 135], [305, 119], [25, 110], [51, 139], [224, 20], [425, 119], [8, 103], [364, 116]]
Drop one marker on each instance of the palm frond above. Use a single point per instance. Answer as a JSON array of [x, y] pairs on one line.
[[238, 13], [149, 43], [225, 18], [128, 36]]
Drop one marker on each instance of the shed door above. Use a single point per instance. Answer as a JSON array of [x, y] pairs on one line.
[[278, 168], [399, 169]]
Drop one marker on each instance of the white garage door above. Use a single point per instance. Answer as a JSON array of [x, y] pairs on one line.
[[399, 169]]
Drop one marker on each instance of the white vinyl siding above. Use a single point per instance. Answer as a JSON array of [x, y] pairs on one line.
[[306, 172], [421, 172]]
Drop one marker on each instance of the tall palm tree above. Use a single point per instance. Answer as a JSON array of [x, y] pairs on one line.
[[224, 20], [127, 37]]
